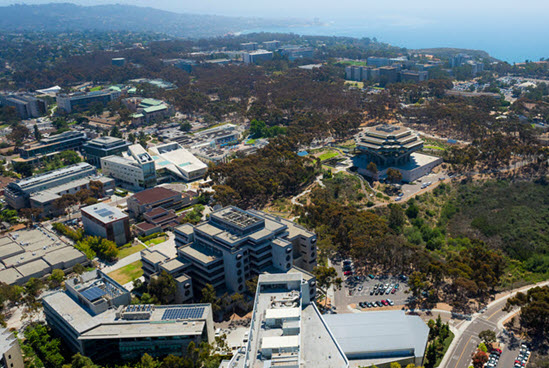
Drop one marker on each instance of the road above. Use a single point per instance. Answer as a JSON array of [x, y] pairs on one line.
[[466, 340]]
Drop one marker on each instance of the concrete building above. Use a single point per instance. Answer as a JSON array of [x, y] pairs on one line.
[[94, 317], [257, 57], [157, 220], [249, 46], [234, 245], [70, 140], [83, 100], [183, 64], [288, 330], [391, 146], [107, 222], [118, 61], [153, 198], [45, 199], [297, 52], [101, 147], [413, 76], [271, 45], [476, 67], [135, 170], [378, 62], [26, 105], [35, 253], [10, 351], [458, 60], [18, 193], [175, 163]]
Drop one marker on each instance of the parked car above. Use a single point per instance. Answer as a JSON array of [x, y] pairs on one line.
[[391, 303], [393, 291], [371, 276], [347, 273]]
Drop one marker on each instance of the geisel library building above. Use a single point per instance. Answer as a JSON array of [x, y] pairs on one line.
[[392, 146]]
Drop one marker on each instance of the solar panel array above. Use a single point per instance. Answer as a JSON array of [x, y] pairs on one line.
[[183, 313], [93, 293], [104, 212]]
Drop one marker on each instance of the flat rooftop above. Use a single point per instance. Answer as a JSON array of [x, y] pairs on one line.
[[237, 217], [374, 333], [104, 213], [198, 253]]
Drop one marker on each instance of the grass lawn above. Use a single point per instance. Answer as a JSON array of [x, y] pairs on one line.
[[435, 147], [354, 62], [355, 84], [328, 155], [96, 88], [155, 241], [127, 273], [129, 249], [251, 141]]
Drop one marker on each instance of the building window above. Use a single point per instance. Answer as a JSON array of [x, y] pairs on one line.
[[240, 287], [288, 258], [288, 265], [239, 264]]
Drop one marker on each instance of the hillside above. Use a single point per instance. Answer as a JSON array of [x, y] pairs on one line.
[[62, 17]]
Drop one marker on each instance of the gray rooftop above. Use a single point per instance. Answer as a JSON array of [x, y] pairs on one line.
[[73, 169], [104, 213], [369, 332]]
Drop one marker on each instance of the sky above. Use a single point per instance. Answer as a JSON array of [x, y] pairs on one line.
[[512, 30]]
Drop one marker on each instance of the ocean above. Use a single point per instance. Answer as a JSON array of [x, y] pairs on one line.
[[502, 39]]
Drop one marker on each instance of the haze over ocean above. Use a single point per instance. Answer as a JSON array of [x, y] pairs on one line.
[[508, 43]]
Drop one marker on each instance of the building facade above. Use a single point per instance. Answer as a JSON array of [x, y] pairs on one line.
[[234, 245], [149, 199], [257, 57], [26, 105], [81, 100], [100, 147], [134, 171], [70, 140], [95, 318], [18, 193], [107, 222], [10, 351]]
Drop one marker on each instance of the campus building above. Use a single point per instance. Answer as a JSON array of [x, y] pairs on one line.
[[35, 253], [287, 330], [100, 147], [18, 193], [106, 222], [392, 146], [234, 245], [257, 57], [70, 140], [26, 105], [175, 163], [150, 199], [135, 170], [95, 318], [83, 100], [10, 351]]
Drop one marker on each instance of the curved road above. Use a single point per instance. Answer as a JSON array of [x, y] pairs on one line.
[[466, 340]]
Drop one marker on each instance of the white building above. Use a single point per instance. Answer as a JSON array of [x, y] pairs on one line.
[[135, 170], [176, 162]]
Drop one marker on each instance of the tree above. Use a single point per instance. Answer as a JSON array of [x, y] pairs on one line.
[[209, 296], [56, 278], [163, 287], [326, 277], [18, 134], [482, 347], [23, 168], [185, 127], [479, 359], [143, 139], [81, 361], [372, 167], [397, 218], [115, 132], [487, 336], [37, 134], [395, 365], [78, 269], [393, 175], [147, 361]]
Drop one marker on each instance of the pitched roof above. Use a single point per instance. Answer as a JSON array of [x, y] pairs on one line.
[[154, 195]]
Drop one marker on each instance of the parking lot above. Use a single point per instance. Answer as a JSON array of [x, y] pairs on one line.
[[355, 291]]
